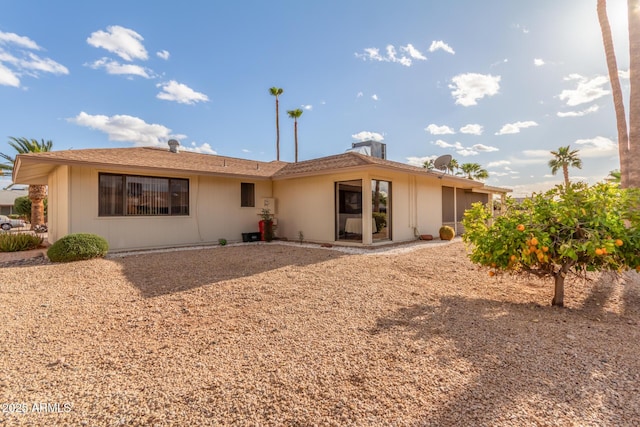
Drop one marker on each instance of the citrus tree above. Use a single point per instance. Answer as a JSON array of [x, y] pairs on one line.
[[573, 228]]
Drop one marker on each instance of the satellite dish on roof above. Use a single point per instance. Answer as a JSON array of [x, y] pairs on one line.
[[442, 162]]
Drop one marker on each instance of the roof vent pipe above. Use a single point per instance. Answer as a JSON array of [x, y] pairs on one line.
[[173, 145]]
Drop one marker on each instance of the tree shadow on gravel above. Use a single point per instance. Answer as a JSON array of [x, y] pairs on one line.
[[157, 274], [526, 363]]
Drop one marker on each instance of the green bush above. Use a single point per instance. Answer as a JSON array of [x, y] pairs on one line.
[[22, 206], [76, 247], [14, 242], [447, 233], [381, 220]]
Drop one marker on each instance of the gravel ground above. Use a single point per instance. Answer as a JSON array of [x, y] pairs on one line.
[[273, 334]]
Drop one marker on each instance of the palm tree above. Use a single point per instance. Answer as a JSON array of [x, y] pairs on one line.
[[563, 158], [453, 166], [37, 193], [614, 177], [612, 66], [276, 91], [633, 157], [294, 114], [474, 171], [429, 164]]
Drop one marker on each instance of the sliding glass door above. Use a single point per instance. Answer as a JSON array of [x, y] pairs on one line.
[[349, 210], [381, 209]]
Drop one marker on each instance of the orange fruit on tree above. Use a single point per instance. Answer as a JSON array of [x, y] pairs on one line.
[[534, 241], [619, 242], [513, 257], [604, 250], [545, 249], [599, 251], [520, 227]]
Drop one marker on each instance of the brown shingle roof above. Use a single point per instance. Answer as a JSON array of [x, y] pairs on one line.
[[158, 159], [34, 167]]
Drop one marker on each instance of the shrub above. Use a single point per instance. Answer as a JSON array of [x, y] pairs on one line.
[[447, 233], [76, 247], [14, 242], [381, 220], [222, 242], [22, 206]]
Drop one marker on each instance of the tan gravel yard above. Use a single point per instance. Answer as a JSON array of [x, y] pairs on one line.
[[286, 335]]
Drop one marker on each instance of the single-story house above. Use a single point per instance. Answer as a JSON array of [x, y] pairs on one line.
[[8, 198], [149, 197]]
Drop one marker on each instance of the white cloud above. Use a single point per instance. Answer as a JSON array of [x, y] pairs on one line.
[[439, 130], [307, 107], [537, 153], [597, 147], [472, 129], [510, 128], [413, 52], [116, 68], [465, 151], [359, 95], [163, 54], [366, 136], [587, 90], [183, 94], [589, 110], [122, 41], [435, 45], [485, 148], [202, 148], [498, 163], [373, 54], [126, 128], [538, 62], [624, 74], [374, 97], [469, 87], [419, 161], [20, 41], [444, 144], [8, 77], [18, 61], [35, 63]]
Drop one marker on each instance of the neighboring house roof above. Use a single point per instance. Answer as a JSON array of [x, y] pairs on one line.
[[8, 197], [33, 168]]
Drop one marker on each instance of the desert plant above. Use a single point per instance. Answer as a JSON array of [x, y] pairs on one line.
[[76, 247], [222, 242], [300, 237], [447, 233], [14, 242]]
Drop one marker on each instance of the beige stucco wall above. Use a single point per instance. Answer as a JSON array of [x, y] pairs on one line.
[[308, 205], [214, 213], [58, 203]]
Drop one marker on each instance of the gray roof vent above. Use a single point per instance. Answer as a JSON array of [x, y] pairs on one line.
[[173, 145]]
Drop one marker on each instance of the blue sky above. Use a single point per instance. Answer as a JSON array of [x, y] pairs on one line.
[[500, 83]]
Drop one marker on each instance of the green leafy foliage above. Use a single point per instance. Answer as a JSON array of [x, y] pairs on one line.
[[447, 233], [381, 219], [574, 227], [76, 247], [22, 206], [14, 242]]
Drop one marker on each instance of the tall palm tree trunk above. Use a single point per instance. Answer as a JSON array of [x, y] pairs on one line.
[[295, 130], [37, 194], [612, 66], [565, 172], [634, 98], [277, 130]]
